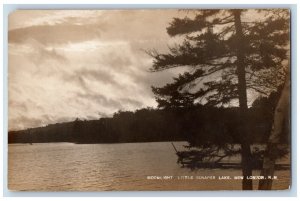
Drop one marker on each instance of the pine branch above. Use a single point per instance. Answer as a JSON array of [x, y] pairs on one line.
[[258, 90]]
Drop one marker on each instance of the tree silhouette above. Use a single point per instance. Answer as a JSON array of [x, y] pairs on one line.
[[227, 54]]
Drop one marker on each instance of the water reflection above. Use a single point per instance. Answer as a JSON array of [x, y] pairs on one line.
[[102, 167]]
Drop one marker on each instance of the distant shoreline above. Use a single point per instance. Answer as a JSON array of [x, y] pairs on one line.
[[197, 123]]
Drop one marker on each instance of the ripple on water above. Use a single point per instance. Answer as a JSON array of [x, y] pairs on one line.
[[104, 167]]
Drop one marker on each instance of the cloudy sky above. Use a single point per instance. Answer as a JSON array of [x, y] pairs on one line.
[[85, 64]]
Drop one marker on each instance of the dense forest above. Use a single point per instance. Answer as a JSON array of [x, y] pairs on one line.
[[194, 124]]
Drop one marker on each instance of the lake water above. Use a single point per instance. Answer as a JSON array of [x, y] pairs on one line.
[[108, 167]]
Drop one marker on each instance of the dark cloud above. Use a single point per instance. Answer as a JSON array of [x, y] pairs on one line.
[[100, 99], [100, 75], [78, 80], [44, 55], [132, 102], [117, 60], [82, 76], [54, 34]]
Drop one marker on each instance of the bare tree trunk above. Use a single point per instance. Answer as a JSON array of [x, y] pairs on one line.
[[242, 92], [280, 114]]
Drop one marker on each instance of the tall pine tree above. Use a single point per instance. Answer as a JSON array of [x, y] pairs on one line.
[[227, 54]]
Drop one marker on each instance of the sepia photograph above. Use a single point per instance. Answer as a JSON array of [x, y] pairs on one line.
[[149, 100]]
